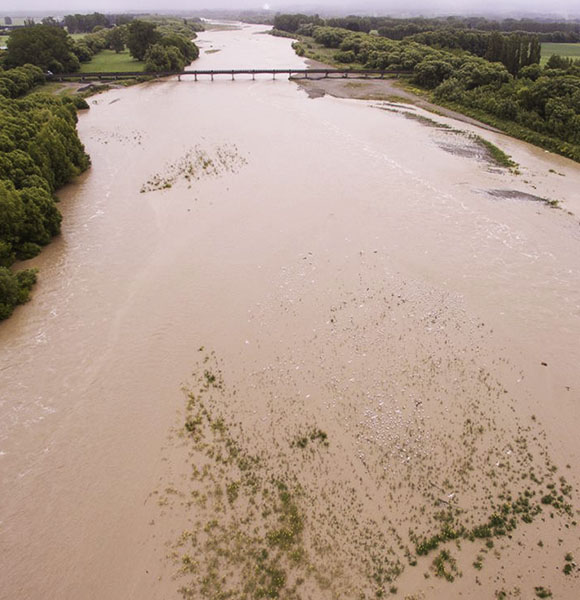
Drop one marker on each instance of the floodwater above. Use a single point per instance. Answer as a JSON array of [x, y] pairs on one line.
[[239, 217]]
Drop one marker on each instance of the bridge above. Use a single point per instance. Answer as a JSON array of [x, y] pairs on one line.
[[212, 73]]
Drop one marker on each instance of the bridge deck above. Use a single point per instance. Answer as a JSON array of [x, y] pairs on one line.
[[292, 73]]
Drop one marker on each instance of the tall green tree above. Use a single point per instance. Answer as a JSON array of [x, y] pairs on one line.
[[164, 59], [116, 39], [85, 23], [14, 289], [189, 50], [45, 46], [141, 36]]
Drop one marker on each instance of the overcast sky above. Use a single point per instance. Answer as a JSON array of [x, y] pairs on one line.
[[570, 7]]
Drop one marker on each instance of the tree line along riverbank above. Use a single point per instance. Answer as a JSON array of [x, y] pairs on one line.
[[493, 76], [40, 151]]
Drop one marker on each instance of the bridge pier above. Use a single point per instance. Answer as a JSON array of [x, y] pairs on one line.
[[195, 75], [179, 78], [212, 76], [253, 75], [232, 76]]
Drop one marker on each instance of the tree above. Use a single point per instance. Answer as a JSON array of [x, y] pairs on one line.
[[530, 72], [14, 289], [50, 21], [430, 73], [18, 81], [535, 51], [85, 23], [116, 39], [329, 36], [291, 23], [164, 59], [558, 62], [141, 36], [451, 89], [11, 219], [46, 46], [187, 48], [477, 72], [82, 51]]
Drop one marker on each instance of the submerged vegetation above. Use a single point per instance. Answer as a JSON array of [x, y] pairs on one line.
[[492, 154], [497, 154], [195, 164], [247, 541], [273, 514]]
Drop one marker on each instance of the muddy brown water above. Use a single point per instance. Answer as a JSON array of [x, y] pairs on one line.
[[292, 206]]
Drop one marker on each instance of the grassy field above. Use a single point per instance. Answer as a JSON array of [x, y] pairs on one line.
[[3, 40], [109, 61], [77, 36], [568, 50]]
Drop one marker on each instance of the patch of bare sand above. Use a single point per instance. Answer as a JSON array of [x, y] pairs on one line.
[[380, 90]]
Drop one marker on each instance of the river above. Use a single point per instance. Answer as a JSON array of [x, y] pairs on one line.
[[331, 253]]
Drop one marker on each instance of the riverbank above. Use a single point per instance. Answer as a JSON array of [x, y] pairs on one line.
[[497, 99], [390, 90]]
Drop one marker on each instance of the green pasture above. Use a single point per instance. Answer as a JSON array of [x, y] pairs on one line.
[[108, 61], [567, 50]]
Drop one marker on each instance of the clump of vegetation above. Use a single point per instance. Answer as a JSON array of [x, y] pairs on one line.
[[195, 164], [314, 435], [542, 592], [495, 153], [269, 559], [419, 118], [14, 289], [569, 565], [445, 566]]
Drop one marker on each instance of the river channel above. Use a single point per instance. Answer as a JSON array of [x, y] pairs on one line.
[[344, 264]]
